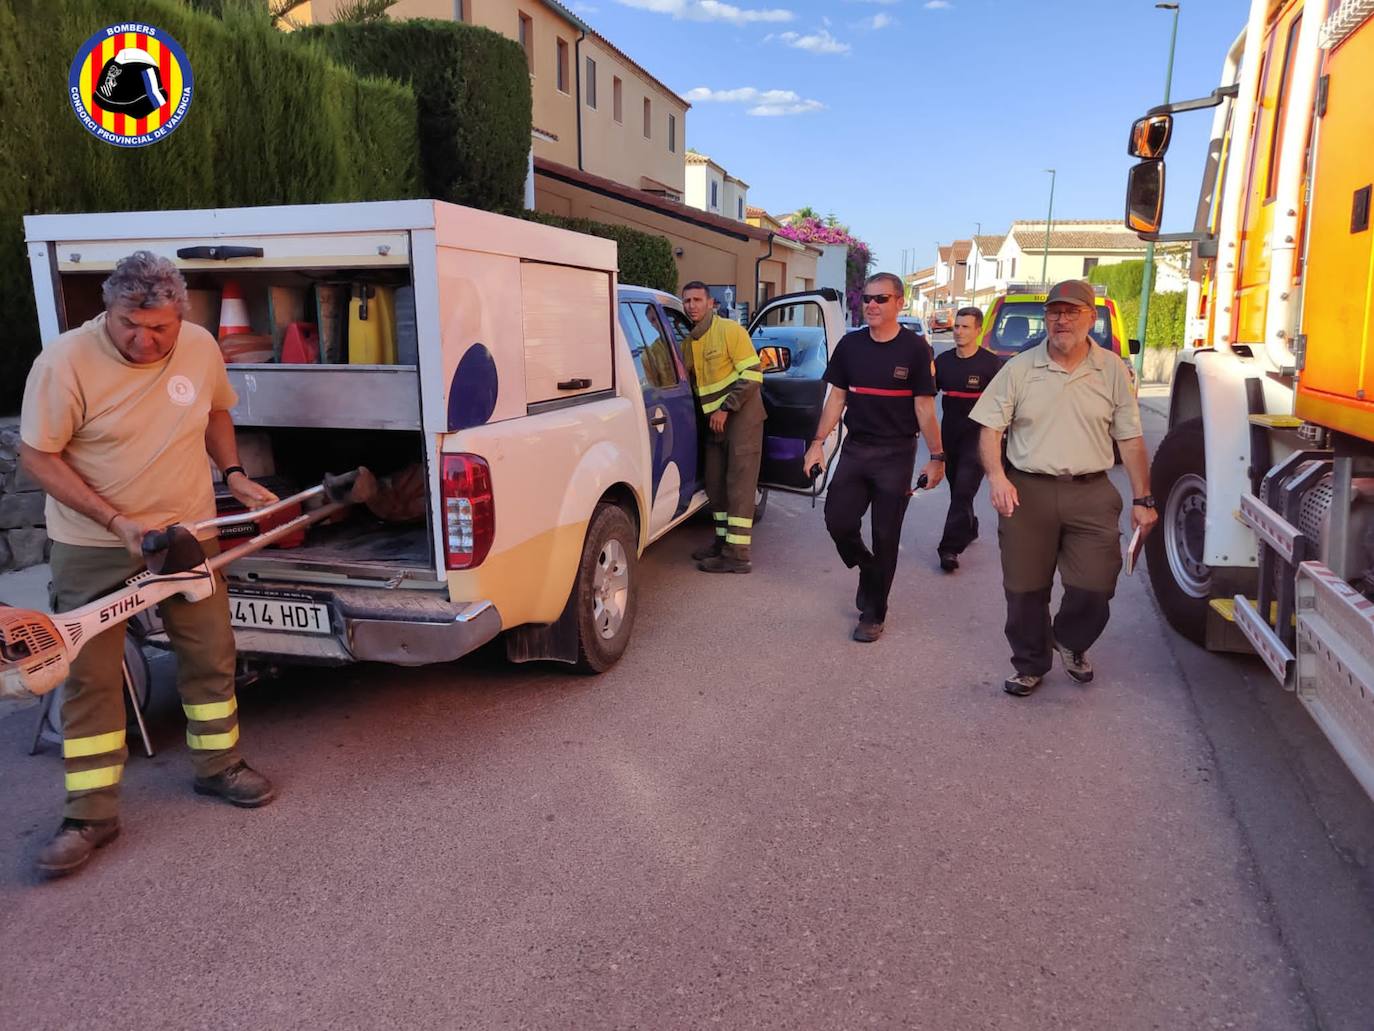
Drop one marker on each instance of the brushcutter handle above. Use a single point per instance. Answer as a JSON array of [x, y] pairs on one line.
[[173, 550], [338, 488]]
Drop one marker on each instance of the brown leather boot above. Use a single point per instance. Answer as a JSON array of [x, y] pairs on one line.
[[733, 558], [240, 784], [73, 844], [713, 550]]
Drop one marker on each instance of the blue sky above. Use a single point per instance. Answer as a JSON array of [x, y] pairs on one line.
[[912, 120]]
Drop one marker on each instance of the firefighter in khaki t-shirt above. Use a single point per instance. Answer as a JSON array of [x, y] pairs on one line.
[[118, 418]]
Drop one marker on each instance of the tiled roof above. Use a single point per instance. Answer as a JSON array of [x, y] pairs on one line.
[[943, 252], [959, 250], [753, 212], [989, 245], [1078, 239], [645, 199]]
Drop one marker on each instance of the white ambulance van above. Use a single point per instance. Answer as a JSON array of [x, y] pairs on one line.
[[545, 408]]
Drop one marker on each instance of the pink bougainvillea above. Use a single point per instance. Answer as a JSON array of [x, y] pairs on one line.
[[807, 228]]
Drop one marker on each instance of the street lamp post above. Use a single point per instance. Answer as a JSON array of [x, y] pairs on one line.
[[1147, 276], [977, 261], [1049, 224]]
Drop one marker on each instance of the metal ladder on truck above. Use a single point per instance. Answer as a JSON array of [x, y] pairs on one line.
[[1313, 629]]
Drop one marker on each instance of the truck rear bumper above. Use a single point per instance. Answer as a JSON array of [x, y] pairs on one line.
[[398, 627]]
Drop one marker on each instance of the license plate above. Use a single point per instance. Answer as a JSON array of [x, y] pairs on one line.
[[284, 614]]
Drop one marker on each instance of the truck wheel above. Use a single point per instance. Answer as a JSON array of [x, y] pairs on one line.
[[1182, 581], [607, 590], [760, 503]]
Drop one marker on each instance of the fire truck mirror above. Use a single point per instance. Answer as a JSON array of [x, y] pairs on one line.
[[1150, 136], [1145, 197]]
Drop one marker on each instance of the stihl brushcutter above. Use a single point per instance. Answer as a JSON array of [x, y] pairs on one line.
[[36, 650]]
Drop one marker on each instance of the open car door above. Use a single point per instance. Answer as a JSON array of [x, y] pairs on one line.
[[795, 334]]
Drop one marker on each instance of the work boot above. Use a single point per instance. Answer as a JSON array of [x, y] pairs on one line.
[[1021, 684], [712, 550], [240, 784], [73, 844], [733, 558], [1076, 664], [949, 561], [868, 631]]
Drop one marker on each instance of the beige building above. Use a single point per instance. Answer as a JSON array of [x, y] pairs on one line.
[[789, 267], [1076, 247], [595, 109], [711, 188]]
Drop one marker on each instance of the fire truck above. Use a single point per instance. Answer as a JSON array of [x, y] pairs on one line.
[[1265, 479]]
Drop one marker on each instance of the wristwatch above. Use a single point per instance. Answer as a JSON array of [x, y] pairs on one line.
[[231, 470], [937, 456], [1148, 501]]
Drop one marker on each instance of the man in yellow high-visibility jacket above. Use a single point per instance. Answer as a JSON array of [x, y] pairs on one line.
[[728, 381]]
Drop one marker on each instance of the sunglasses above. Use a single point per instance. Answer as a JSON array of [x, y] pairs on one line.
[[879, 298]]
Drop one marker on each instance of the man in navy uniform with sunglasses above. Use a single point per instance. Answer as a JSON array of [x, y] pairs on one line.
[[882, 380]]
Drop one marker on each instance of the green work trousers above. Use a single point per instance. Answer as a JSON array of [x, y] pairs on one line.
[[732, 478]]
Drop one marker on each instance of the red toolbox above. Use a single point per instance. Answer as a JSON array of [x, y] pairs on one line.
[[227, 504]]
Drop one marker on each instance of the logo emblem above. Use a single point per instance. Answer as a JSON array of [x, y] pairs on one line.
[[130, 84], [181, 390], [901, 372], [975, 382]]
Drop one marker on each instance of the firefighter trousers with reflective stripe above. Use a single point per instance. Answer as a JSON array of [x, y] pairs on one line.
[[732, 477], [876, 477], [93, 714], [1074, 526]]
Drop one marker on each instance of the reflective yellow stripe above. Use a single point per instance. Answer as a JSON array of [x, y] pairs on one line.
[[747, 363], [718, 516], [753, 376], [75, 747], [212, 710], [720, 531], [741, 521], [212, 742], [711, 406], [719, 384], [737, 538], [88, 780]]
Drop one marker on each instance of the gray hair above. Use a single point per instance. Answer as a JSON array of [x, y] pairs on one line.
[[898, 287], [145, 280]]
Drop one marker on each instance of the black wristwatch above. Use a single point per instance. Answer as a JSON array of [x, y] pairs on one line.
[[1148, 501], [233, 469], [937, 456]]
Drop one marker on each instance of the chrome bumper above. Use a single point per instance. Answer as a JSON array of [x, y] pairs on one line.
[[398, 627]]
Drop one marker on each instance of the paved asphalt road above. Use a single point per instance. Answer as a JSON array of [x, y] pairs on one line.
[[750, 822]]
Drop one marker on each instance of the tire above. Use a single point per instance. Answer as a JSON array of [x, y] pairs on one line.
[[606, 594], [1183, 584], [760, 504]]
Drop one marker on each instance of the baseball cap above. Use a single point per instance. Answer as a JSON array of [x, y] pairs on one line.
[[1072, 291]]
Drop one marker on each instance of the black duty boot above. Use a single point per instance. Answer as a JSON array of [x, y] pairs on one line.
[[712, 550], [733, 558], [73, 844], [868, 631], [949, 561], [240, 784]]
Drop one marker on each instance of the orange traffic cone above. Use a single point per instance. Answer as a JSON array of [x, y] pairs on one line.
[[233, 311]]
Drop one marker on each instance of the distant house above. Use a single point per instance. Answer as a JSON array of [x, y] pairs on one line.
[[919, 285], [1076, 247], [981, 269], [951, 274], [792, 267], [711, 188]]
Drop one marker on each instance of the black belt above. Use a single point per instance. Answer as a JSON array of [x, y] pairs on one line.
[[1063, 477]]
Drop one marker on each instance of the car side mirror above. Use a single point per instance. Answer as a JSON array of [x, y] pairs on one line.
[[775, 358], [1134, 346], [1145, 197], [1150, 136]]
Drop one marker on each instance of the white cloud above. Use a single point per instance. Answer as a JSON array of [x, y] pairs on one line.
[[879, 21], [821, 42], [711, 10], [938, 5], [763, 103]]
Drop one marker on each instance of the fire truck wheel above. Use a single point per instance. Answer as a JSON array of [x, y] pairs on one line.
[[1183, 583], [607, 589]]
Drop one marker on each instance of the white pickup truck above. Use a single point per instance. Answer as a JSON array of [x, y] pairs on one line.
[[546, 408]]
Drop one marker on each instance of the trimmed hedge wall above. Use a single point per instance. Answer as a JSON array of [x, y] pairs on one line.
[[645, 259], [1168, 311], [272, 122], [472, 87]]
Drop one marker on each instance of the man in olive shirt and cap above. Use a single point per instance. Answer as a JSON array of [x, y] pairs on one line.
[[1061, 404]]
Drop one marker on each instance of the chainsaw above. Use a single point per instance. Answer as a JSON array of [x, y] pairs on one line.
[[36, 649]]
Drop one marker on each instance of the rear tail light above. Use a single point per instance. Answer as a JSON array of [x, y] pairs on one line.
[[469, 510]]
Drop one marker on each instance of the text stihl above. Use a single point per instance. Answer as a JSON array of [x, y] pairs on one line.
[[120, 608]]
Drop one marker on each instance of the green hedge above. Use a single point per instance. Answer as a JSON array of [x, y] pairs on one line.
[[645, 259], [472, 86], [272, 122], [1168, 310]]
